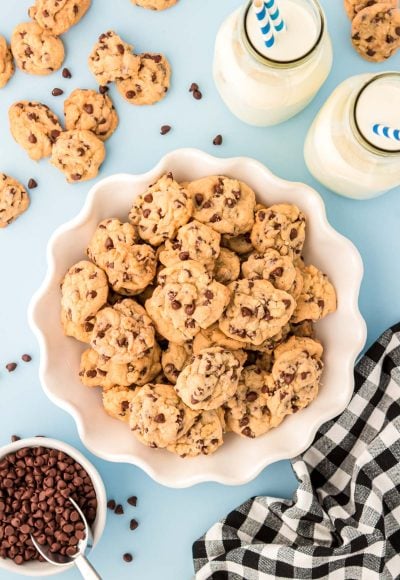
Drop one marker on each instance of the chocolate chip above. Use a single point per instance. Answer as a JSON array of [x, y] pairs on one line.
[[56, 92], [11, 367], [193, 87], [128, 557], [103, 89], [133, 524], [54, 135], [246, 311], [26, 357], [160, 418], [66, 73], [14, 438], [184, 256], [293, 234], [397, 30], [32, 183], [111, 504], [88, 108], [176, 305], [32, 139], [251, 397], [217, 140], [165, 129], [148, 198], [119, 510], [76, 176], [371, 52], [199, 198], [197, 95], [132, 500], [109, 244], [189, 309], [247, 432]]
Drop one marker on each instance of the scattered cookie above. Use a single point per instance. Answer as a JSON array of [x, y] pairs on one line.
[[111, 59], [161, 210], [34, 127], [35, 50], [58, 17], [155, 4], [353, 7], [376, 32], [14, 200], [78, 154], [6, 62], [91, 111], [224, 204], [150, 83]]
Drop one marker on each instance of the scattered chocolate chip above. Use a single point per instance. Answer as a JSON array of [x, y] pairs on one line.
[[15, 438], [119, 510], [66, 73], [26, 357], [111, 504], [57, 92], [133, 524], [32, 183], [11, 367], [217, 140], [103, 89], [165, 129], [193, 87], [197, 95], [132, 500], [128, 557]]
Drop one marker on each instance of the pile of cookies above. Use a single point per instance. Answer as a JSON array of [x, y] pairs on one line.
[[142, 79], [78, 151], [375, 29], [199, 313]]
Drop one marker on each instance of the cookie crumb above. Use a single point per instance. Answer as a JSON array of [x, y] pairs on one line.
[[128, 557], [26, 357], [217, 140], [32, 183], [165, 129], [56, 92], [66, 73], [11, 367], [132, 500], [133, 524]]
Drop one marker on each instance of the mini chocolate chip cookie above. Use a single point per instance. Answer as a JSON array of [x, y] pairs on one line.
[[203, 438], [93, 370], [34, 127], [376, 32], [186, 300], [155, 4], [91, 111], [271, 266], [57, 16], [35, 50], [150, 83], [227, 267], [78, 154], [84, 290], [117, 402], [194, 241], [256, 312], [317, 298], [213, 336], [6, 62], [158, 417], [110, 234], [14, 200], [161, 210], [353, 7], [211, 378], [174, 359], [240, 244], [224, 204], [112, 59], [80, 331], [123, 331], [138, 371], [281, 227]]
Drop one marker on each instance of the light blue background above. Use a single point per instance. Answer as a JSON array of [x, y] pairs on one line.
[[170, 520]]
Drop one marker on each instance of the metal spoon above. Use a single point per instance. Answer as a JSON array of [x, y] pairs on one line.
[[85, 568]]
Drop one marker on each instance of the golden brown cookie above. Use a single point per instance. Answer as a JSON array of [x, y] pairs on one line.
[[78, 154], [14, 200], [150, 83], [155, 4], [34, 127], [353, 7], [91, 111], [57, 16], [376, 32], [6, 62], [112, 59], [35, 50]]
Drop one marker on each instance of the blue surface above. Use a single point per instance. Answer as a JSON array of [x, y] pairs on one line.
[[169, 520]]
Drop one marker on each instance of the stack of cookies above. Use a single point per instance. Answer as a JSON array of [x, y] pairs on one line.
[[199, 313], [375, 29]]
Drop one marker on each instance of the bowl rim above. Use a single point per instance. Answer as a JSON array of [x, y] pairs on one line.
[[44, 568], [84, 214]]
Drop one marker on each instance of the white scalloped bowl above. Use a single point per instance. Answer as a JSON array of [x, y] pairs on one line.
[[239, 460]]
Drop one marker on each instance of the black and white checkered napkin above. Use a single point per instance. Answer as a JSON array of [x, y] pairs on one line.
[[344, 520]]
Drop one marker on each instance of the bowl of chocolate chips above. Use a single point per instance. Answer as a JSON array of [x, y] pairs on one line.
[[37, 478]]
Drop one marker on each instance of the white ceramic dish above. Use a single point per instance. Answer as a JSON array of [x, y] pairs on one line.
[[41, 569], [239, 460]]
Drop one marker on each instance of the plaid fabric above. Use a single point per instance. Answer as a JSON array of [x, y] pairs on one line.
[[344, 520]]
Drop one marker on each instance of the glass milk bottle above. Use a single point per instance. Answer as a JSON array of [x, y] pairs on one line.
[[353, 145], [265, 86]]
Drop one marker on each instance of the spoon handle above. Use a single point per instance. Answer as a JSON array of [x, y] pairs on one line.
[[86, 569]]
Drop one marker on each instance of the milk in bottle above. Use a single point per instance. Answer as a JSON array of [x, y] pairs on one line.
[[266, 85]]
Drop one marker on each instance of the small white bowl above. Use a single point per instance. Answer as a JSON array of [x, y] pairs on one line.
[[44, 568], [239, 460]]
